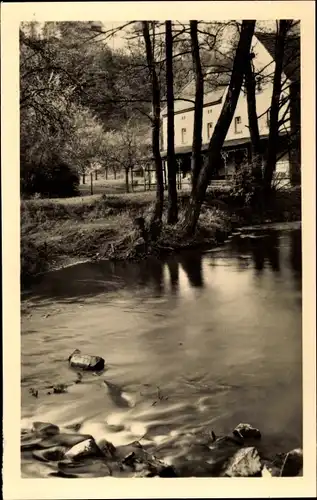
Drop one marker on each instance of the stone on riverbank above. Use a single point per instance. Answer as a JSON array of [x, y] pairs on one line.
[[246, 431], [87, 448], [89, 468], [107, 449], [293, 463], [221, 452], [86, 362], [245, 463], [135, 459], [54, 454], [64, 439], [45, 429]]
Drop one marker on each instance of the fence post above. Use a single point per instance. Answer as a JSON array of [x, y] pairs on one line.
[[91, 183]]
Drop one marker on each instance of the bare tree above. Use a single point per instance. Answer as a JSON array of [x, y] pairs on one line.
[[199, 101], [216, 142], [156, 111], [250, 85], [270, 163], [172, 212]]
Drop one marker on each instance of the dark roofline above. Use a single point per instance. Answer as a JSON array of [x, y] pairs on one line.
[[185, 110]]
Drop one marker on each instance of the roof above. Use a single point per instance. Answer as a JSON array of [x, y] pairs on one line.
[[210, 99], [221, 71], [204, 147], [291, 66]]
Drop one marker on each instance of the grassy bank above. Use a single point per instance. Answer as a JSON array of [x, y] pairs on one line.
[[57, 232]]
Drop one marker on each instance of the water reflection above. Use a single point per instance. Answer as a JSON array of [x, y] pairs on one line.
[[260, 251], [199, 326], [173, 269], [191, 263]]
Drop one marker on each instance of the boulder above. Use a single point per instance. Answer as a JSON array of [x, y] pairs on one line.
[[54, 454], [63, 439], [135, 459], [30, 442], [221, 451], [86, 362], [84, 469], [106, 448], [245, 462], [293, 463], [87, 448], [270, 469], [246, 431], [45, 429]]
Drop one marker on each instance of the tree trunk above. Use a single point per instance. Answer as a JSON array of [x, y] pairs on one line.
[[106, 171], [295, 146], [127, 180], [172, 214], [221, 128], [270, 162], [199, 101], [256, 153], [156, 110]]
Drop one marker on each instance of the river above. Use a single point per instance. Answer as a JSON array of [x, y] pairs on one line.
[[198, 341]]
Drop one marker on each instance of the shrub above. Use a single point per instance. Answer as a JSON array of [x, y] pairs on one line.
[[244, 185], [52, 178]]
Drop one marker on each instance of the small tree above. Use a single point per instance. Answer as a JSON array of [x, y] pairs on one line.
[[126, 148], [85, 146]]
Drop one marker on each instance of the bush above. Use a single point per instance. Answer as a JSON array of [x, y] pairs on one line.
[[244, 185], [53, 178]]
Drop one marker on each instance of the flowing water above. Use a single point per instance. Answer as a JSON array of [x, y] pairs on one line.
[[196, 342]]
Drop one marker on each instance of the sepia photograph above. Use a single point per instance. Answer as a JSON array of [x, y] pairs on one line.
[[160, 218]]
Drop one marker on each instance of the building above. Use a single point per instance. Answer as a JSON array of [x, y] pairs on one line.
[[237, 145]]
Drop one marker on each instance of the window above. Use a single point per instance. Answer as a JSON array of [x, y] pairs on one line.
[[209, 129], [183, 117], [183, 131], [209, 111], [237, 125]]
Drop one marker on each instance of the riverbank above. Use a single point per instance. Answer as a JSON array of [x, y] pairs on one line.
[[57, 233], [50, 451]]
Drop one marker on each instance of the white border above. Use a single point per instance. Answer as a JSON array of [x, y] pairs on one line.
[[15, 487]]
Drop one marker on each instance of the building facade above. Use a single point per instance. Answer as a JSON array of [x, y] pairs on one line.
[[237, 145]]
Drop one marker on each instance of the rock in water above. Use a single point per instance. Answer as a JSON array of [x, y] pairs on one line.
[[246, 431], [220, 453], [137, 460], [54, 454], [87, 468], [106, 448], [293, 463], [45, 429], [30, 442], [86, 362], [244, 463], [86, 448], [63, 439]]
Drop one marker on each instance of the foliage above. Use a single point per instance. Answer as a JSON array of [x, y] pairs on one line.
[[244, 184], [128, 147]]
